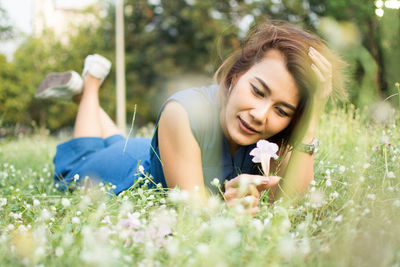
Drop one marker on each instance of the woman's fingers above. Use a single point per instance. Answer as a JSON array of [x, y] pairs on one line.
[[273, 181], [230, 193], [318, 72], [323, 69], [245, 179], [248, 202]]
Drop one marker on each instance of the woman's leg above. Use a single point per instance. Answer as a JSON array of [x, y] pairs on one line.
[[87, 122], [107, 125]]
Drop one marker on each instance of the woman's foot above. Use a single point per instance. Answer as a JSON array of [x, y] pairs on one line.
[[60, 86], [97, 66], [67, 85]]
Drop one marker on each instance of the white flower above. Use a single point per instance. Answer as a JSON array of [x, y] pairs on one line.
[[215, 182], [75, 220], [361, 179], [391, 175], [76, 177], [366, 165], [396, 203], [36, 202], [317, 199], [328, 183], [59, 251], [263, 153], [342, 169], [334, 194], [65, 202], [338, 218], [371, 196], [131, 222], [141, 169], [45, 215]]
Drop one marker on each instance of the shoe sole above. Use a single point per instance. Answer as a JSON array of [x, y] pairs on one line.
[[53, 80]]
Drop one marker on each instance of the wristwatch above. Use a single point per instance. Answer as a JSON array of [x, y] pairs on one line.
[[308, 148]]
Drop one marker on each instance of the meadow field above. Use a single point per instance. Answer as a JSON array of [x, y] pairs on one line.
[[350, 215]]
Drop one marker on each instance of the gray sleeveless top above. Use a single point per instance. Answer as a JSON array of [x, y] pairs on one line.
[[203, 111]]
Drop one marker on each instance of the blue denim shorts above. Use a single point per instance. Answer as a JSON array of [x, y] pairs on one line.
[[112, 160]]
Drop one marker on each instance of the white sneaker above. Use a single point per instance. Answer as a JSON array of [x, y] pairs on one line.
[[60, 86], [97, 66]]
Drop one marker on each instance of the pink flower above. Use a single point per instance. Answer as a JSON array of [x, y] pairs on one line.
[[263, 153]]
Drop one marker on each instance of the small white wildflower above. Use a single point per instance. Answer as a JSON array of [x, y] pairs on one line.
[[365, 212], [36, 202], [385, 140], [361, 179], [45, 215], [141, 169], [59, 251], [328, 183], [396, 203], [40, 251], [65, 202], [215, 182], [76, 177], [178, 196], [3, 202], [10, 227], [334, 195], [233, 238], [391, 175], [312, 189], [317, 199], [287, 247], [342, 169], [78, 213], [371, 196], [338, 218], [75, 220], [366, 165], [313, 182], [22, 228], [202, 248]]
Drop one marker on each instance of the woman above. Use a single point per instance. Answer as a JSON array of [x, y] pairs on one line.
[[274, 88]]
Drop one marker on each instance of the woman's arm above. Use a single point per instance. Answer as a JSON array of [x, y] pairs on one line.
[[297, 169], [179, 151]]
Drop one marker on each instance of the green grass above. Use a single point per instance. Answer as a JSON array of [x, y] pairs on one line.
[[349, 217]]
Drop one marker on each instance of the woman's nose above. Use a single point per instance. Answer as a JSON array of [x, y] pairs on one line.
[[260, 112]]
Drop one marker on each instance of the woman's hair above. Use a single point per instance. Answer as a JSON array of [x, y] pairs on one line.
[[294, 44]]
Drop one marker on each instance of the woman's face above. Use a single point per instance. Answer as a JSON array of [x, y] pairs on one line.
[[261, 102]]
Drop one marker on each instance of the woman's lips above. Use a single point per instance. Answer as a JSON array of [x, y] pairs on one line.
[[245, 127]]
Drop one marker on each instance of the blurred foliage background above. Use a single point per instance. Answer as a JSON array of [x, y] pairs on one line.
[[172, 44]]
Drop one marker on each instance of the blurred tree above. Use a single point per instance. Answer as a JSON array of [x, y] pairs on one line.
[[172, 38], [6, 30], [33, 60], [390, 32]]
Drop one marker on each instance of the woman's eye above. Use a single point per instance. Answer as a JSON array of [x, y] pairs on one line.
[[257, 91], [282, 113]]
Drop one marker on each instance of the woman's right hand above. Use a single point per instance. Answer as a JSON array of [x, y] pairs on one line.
[[245, 189]]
